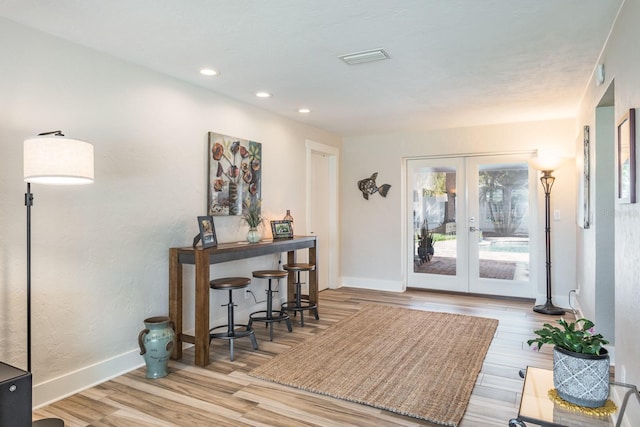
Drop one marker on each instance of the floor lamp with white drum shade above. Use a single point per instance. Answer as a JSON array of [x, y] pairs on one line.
[[54, 159]]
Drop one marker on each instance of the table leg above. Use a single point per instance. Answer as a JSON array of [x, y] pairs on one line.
[[202, 308], [175, 300], [291, 279], [313, 276]]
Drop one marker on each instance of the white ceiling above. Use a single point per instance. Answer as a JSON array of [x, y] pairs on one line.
[[453, 62]]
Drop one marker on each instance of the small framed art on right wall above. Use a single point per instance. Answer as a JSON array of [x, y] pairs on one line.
[[626, 158]]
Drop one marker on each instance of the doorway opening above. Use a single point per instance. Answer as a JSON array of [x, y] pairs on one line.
[[322, 209]]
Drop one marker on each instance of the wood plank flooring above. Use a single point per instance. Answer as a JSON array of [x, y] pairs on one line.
[[223, 394]]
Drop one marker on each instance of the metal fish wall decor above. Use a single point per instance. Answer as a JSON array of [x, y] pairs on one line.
[[368, 186]]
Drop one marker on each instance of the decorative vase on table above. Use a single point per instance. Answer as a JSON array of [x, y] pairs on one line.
[[252, 214], [156, 343], [289, 218], [253, 236], [581, 379]]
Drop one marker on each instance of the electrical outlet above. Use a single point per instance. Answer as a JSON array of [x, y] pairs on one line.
[[577, 292]]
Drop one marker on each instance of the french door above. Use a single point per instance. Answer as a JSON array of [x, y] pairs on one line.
[[468, 224]]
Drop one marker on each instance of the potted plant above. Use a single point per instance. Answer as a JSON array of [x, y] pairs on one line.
[[253, 216], [425, 244], [580, 362]]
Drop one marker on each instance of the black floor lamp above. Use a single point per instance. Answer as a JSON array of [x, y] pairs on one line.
[[51, 158], [547, 166]]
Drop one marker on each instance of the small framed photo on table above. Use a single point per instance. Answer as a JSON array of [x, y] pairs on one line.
[[281, 229], [207, 231]]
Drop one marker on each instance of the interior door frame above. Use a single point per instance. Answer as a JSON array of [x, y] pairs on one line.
[[333, 158]]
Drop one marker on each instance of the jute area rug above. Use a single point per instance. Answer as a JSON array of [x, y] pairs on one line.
[[417, 363]]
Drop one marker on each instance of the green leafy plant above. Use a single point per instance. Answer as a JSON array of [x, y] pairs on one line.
[[577, 336], [252, 212]]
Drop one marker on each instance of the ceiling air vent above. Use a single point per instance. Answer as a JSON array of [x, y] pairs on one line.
[[364, 56]]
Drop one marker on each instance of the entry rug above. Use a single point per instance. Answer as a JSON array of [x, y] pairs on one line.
[[489, 268], [417, 363]]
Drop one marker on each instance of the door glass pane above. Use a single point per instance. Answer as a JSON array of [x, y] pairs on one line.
[[504, 221], [434, 220]]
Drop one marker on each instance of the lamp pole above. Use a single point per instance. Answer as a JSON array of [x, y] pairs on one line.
[[28, 202], [547, 181]]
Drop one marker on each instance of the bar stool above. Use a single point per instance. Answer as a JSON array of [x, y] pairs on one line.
[[300, 304], [230, 284], [270, 316]]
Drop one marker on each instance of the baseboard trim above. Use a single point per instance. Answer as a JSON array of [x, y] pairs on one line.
[[55, 389], [373, 284], [71, 383]]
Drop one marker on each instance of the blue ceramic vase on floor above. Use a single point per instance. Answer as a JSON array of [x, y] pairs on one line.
[[156, 343]]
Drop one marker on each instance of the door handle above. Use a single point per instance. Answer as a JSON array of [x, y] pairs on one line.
[[474, 229]]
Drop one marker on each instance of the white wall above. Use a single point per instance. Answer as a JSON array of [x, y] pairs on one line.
[[596, 246], [621, 66], [372, 236], [100, 252]]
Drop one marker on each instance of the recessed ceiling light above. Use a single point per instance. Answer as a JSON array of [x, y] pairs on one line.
[[263, 94], [304, 110], [208, 72]]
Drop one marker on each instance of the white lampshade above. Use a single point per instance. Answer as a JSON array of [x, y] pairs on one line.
[[546, 161], [58, 160]]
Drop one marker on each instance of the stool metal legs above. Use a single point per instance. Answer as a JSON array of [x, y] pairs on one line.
[[231, 333], [269, 318], [300, 304]]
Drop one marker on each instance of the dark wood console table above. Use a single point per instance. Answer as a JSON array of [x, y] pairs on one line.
[[202, 259]]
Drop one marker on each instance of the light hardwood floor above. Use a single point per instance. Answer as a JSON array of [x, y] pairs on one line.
[[223, 394]]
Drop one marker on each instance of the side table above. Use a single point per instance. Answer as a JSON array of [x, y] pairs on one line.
[[536, 406]]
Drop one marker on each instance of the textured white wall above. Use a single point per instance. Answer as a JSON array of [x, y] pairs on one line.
[[100, 252], [372, 235], [596, 245], [621, 67]]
